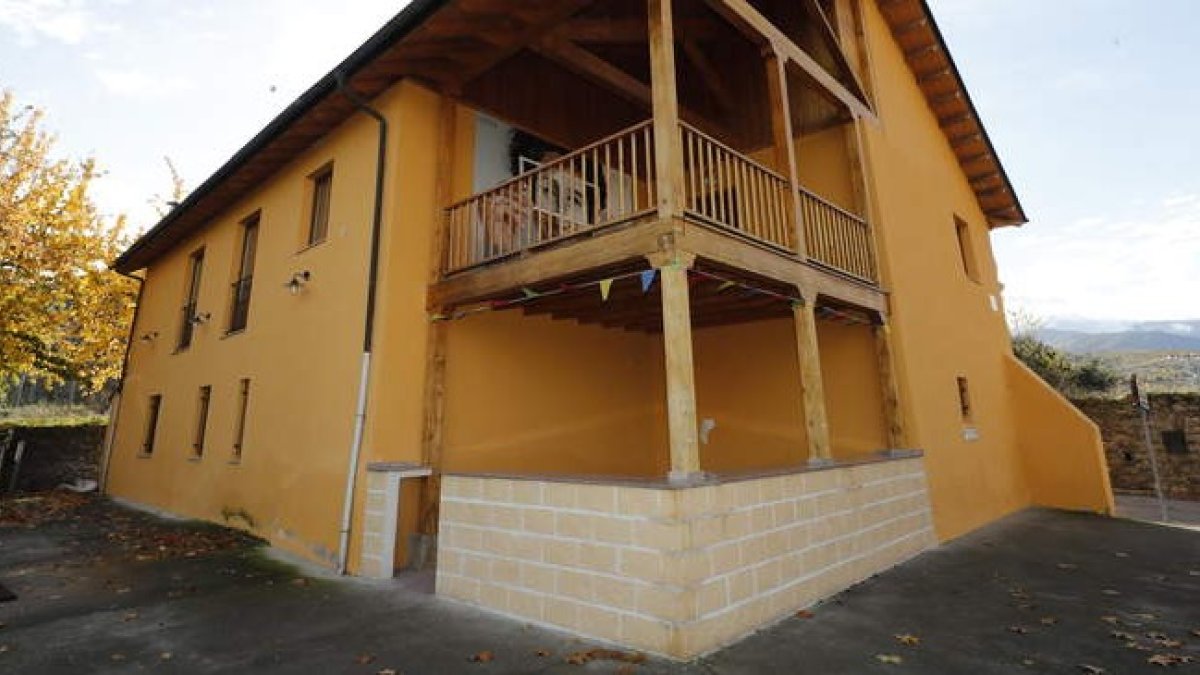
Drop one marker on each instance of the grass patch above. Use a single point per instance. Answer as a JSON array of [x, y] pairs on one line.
[[37, 416]]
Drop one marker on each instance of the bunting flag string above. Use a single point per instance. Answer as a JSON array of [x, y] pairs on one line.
[[646, 280]]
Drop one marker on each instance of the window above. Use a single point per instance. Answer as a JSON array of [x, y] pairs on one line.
[[201, 421], [240, 293], [966, 249], [1175, 441], [322, 189], [151, 424], [964, 400], [239, 429], [188, 317]]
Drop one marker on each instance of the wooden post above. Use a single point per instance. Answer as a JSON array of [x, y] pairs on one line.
[[889, 389], [668, 152], [681, 377], [435, 361], [811, 385], [780, 107]]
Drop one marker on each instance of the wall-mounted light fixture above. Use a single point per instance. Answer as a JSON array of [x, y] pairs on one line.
[[298, 281]]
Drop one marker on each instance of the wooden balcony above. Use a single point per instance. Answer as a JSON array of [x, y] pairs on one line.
[[613, 182]]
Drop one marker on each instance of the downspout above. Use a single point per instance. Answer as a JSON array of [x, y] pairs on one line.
[[364, 376], [118, 394]]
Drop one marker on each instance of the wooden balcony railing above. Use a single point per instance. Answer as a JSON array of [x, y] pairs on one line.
[[603, 184], [837, 238], [727, 189], [613, 181]]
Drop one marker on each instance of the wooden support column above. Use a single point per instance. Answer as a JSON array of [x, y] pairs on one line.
[[668, 152], [889, 389], [780, 107], [812, 387], [681, 378], [435, 359]]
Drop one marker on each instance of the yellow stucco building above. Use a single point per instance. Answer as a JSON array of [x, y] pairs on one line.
[[666, 317]]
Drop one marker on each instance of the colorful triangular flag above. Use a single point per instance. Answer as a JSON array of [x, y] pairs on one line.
[[648, 279], [605, 287]]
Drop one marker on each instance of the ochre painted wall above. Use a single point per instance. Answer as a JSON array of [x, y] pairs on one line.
[[944, 324], [301, 353], [1061, 448], [536, 395]]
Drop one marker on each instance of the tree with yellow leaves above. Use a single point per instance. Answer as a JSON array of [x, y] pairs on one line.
[[63, 313]]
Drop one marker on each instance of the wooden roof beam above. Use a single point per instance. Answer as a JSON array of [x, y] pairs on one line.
[[587, 64], [759, 29]]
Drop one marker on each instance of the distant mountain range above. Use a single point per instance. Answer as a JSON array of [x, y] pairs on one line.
[[1093, 336]]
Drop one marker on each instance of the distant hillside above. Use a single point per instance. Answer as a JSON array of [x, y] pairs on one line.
[[1138, 339]]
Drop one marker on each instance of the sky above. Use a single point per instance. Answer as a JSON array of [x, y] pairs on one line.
[[1089, 103]]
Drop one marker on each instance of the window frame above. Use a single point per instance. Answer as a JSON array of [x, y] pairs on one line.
[[191, 300], [203, 407], [320, 185], [967, 254], [150, 429], [239, 424], [966, 409], [243, 283]]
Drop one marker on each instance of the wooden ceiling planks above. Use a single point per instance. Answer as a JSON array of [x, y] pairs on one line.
[[924, 49]]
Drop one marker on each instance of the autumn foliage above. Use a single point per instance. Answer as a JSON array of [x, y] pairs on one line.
[[63, 313]]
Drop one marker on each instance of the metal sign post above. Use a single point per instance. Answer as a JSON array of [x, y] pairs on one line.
[[1142, 403]]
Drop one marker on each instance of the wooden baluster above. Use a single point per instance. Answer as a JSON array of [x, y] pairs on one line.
[[651, 168]]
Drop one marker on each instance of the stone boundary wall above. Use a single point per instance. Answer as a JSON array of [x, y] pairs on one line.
[[672, 571], [1125, 445]]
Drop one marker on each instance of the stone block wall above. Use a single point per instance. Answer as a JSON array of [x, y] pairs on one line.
[[676, 571], [1125, 445]]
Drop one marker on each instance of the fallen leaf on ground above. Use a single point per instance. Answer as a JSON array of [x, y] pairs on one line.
[[542, 653], [1028, 662], [889, 658], [1164, 660], [1144, 617], [1090, 669], [1048, 620], [1110, 591], [129, 616], [1019, 630], [364, 658], [1110, 619], [483, 657], [805, 614], [118, 657], [1121, 554], [386, 671], [1068, 566], [299, 581], [166, 656], [1169, 643], [4, 648], [1196, 632], [910, 640]]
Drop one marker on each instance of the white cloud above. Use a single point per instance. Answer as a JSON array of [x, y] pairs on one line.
[[1143, 267], [139, 83], [67, 21]]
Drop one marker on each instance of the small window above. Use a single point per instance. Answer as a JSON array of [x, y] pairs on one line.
[[151, 424], [240, 293], [322, 190], [188, 316], [964, 400], [1175, 442], [239, 429], [201, 420], [966, 249]]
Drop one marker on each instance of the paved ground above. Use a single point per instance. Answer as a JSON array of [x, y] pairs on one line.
[[1142, 507], [1040, 592]]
